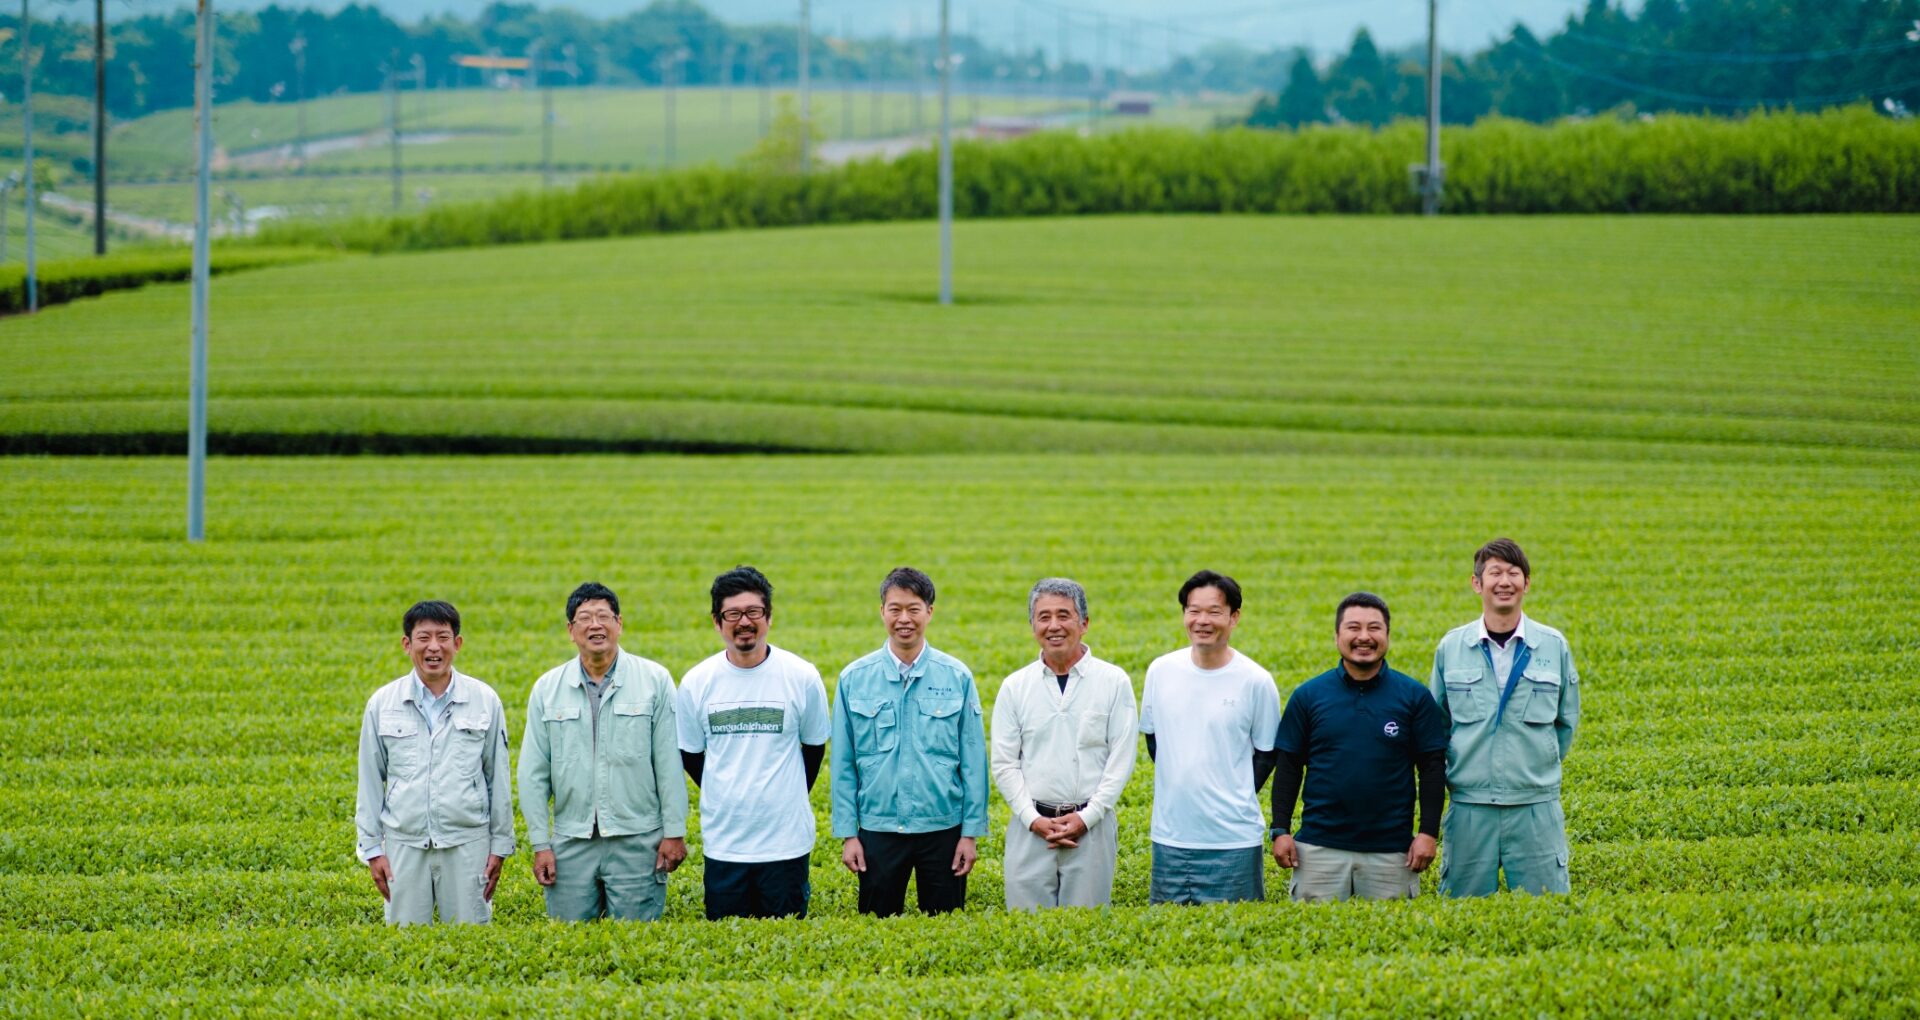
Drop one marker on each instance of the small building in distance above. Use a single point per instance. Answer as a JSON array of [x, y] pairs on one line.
[[1006, 127], [1131, 104]]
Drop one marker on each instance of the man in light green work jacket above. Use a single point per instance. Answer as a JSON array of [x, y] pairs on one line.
[[600, 781], [1512, 695], [909, 761], [434, 811]]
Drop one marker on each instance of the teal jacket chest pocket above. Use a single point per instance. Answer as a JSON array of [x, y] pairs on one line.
[[938, 726], [1543, 696], [876, 725], [403, 736], [1469, 695]]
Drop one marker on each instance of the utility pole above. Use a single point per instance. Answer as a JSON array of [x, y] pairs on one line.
[[99, 127], [760, 76], [973, 90], [669, 74], [874, 125], [1098, 78], [919, 74], [299, 48], [7, 184], [26, 116], [197, 406], [946, 159], [806, 96], [1430, 183], [1061, 85], [393, 124], [539, 67]]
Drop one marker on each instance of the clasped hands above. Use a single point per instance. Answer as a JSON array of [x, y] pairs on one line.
[[1062, 833]]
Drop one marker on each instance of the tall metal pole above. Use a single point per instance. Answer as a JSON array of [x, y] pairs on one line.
[[806, 94], [1430, 187], [546, 114], [946, 159], [99, 127], [393, 126], [197, 408], [299, 48], [26, 116]]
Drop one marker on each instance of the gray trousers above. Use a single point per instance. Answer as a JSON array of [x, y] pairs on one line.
[[450, 878], [1324, 873], [607, 876], [1038, 876]]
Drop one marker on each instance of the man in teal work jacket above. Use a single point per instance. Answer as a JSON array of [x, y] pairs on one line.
[[600, 781], [909, 761], [1511, 693]]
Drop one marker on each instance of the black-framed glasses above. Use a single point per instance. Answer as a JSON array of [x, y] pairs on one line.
[[754, 613]]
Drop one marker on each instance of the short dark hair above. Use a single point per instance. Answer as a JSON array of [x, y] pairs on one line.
[[909, 580], [430, 611], [1362, 600], [738, 581], [587, 593], [1209, 579], [1505, 549]]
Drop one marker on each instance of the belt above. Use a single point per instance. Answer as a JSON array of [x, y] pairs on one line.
[[1058, 810]]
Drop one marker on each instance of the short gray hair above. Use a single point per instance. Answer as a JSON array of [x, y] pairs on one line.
[[1058, 586]]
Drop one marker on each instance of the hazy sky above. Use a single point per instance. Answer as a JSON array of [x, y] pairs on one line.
[[1138, 29]]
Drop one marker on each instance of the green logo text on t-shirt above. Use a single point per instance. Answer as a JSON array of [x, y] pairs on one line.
[[747, 719]]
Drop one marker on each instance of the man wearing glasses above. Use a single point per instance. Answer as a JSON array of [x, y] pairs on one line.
[[600, 782], [753, 729]]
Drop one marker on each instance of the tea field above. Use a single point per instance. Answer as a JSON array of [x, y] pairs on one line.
[[1668, 338], [1703, 432]]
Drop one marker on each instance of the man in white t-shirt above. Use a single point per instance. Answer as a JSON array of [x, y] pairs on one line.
[[1210, 715], [753, 730]]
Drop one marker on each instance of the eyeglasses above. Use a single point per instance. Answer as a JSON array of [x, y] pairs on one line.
[[754, 613]]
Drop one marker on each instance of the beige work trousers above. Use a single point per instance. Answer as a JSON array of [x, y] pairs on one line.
[[451, 878], [1324, 873], [1038, 876]]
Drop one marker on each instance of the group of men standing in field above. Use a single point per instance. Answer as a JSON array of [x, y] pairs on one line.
[[608, 737]]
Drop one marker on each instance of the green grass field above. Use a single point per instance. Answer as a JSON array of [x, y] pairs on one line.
[[1701, 429]]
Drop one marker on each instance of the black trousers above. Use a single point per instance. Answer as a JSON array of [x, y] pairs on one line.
[[757, 889], [927, 856]]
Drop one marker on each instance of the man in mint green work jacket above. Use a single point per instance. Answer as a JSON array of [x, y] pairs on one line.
[[1508, 685], [600, 781], [909, 761]]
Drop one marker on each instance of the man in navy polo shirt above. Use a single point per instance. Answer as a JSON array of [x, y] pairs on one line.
[[1361, 732]]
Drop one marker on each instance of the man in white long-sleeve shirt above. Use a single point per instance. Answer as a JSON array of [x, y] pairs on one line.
[[1062, 751]]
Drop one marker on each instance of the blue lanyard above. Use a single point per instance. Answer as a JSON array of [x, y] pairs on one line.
[[1520, 660]]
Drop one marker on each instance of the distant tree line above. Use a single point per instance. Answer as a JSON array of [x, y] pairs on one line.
[[1708, 56], [279, 54], [1694, 56]]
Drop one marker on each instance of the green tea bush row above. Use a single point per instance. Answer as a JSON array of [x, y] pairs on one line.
[[64, 280], [1839, 161], [337, 892], [972, 943], [1852, 980]]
